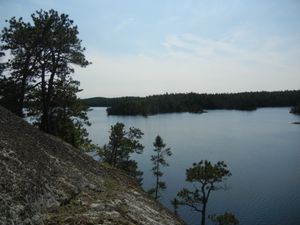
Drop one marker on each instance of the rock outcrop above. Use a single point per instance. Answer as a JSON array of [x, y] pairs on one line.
[[44, 180]]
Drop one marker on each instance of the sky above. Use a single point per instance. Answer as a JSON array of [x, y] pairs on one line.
[[145, 47]]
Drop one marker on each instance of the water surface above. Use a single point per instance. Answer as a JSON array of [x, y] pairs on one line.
[[261, 148]]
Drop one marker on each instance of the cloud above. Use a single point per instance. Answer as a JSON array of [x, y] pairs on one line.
[[236, 61], [239, 45], [202, 69]]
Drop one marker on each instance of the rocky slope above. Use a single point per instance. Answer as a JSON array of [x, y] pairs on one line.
[[43, 180]]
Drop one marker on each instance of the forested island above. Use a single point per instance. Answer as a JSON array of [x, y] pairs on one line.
[[194, 102]]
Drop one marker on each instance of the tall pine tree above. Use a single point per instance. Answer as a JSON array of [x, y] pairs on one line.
[[39, 74], [158, 160]]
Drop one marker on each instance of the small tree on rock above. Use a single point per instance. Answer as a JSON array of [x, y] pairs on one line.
[[205, 177], [121, 144], [158, 160]]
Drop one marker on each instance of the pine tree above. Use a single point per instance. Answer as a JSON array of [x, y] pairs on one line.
[[158, 160], [205, 177], [122, 143], [39, 71]]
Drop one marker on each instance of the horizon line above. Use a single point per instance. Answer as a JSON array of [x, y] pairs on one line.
[[174, 93]]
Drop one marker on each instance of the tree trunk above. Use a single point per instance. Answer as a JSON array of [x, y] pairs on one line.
[[46, 96], [50, 90], [204, 203], [21, 97], [25, 73], [157, 177], [114, 157], [44, 117], [203, 212]]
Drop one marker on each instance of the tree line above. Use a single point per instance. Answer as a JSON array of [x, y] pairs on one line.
[[194, 103]]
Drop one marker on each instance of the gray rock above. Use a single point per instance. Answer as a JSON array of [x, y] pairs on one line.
[[45, 181]]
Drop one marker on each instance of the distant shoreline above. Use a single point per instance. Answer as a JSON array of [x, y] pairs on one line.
[[193, 102]]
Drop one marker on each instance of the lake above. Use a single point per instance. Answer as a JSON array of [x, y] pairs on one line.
[[261, 149]]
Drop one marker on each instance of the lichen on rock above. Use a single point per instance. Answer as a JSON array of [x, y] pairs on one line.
[[45, 181]]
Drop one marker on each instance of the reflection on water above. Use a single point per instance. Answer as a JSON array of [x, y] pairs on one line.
[[261, 148]]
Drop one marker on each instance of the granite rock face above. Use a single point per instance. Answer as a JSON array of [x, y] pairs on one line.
[[44, 180]]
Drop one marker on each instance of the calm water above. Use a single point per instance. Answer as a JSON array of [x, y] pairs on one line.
[[261, 148]]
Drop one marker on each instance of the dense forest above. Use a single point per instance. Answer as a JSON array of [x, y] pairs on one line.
[[194, 103]]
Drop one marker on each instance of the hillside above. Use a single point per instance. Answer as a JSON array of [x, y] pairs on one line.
[[43, 180]]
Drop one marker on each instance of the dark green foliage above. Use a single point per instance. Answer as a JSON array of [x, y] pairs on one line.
[[158, 160], [205, 177], [126, 106], [20, 40], [131, 168], [7, 89], [68, 117], [2, 65], [61, 47], [121, 144], [39, 74], [97, 102], [225, 219], [155, 104], [195, 103]]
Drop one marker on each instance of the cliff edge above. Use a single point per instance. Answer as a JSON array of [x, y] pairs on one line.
[[44, 180]]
